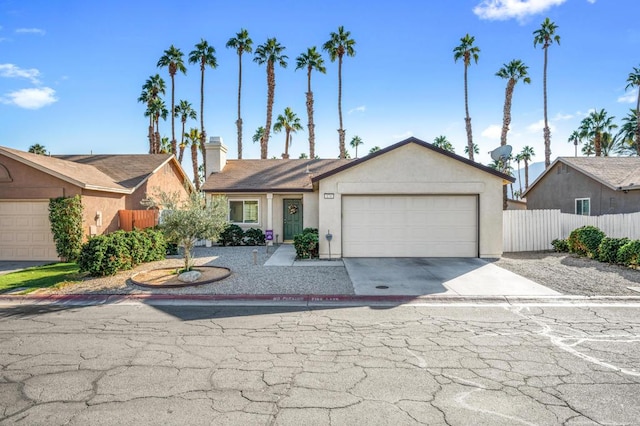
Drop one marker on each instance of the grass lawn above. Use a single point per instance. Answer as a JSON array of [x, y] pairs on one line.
[[40, 277]]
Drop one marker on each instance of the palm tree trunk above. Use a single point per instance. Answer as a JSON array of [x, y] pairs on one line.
[[340, 130], [597, 144], [203, 133], [194, 162], [181, 148], [285, 156], [526, 175], [506, 119], [271, 87], [150, 135], [467, 119], [546, 131], [310, 125], [239, 120], [504, 197], [519, 179], [180, 154], [174, 144]]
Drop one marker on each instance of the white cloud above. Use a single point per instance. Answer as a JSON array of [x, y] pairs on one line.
[[361, 108], [37, 31], [538, 126], [507, 9], [591, 1], [14, 71], [35, 98], [492, 132], [403, 136], [629, 97], [562, 117]]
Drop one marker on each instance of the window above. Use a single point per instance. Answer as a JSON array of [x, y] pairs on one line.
[[583, 206], [243, 211]]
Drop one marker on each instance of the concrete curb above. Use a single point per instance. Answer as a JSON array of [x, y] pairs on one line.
[[307, 299]]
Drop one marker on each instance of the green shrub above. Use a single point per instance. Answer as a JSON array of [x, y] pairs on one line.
[[561, 246], [306, 244], [609, 247], [629, 254], [158, 248], [585, 241], [231, 236], [65, 216], [139, 245], [254, 237]]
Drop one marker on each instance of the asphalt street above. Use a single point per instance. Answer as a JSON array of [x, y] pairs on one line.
[[453, 364]]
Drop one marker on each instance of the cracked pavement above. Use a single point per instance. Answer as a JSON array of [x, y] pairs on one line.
[[435, 365]]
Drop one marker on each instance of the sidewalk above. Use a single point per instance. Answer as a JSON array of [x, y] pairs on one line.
[[285, 255]]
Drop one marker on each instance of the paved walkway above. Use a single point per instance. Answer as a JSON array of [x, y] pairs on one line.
[[285, 255]]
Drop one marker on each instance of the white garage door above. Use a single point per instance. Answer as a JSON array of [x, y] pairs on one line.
[[25, 232], [410, 226]]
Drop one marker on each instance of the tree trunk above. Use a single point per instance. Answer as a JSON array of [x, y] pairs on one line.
[[504, 197], [506, 119], [285, 156], [203, 133], [174, 144], [310, 125], [341, 131], [467, 119], [181, 147], [638, 124], [526, 175], [194, 162], [239, 120], [597, 144], [546, 131], [519, 180], [150, 136], [271, 87]]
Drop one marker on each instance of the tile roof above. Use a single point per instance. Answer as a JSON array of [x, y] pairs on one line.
[[269, 175], [111, 173], [614, 172]]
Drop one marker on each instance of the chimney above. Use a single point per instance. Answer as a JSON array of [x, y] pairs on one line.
[[216, 153]]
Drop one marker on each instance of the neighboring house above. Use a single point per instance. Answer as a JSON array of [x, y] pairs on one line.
[[588, 186], [410, 199], [516, 204], [106, 184]]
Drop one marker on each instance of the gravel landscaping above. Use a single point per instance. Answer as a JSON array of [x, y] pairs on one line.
[[572, 275], [246, 278]]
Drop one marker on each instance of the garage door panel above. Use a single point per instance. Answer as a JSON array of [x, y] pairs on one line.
[[409, 226], [25, 232]]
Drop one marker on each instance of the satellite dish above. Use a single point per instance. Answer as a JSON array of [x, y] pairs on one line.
[[501, 153]]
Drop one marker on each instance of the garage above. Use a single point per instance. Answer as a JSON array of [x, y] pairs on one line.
[[410, 226], [25, 232]]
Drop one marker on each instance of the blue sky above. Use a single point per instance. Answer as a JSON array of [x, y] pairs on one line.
[[71, 71]]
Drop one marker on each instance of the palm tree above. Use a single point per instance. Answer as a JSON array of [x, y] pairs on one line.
[[356, 141], [38, 149], [587, 149], [172, 59], [374, 149], [205, 56], [242, 43], [628, 146], [518, 159], [526, 155], [337, 46], [609, 143], [152, 88], [156, 110], [443, 143], [184, 110], [311, 60], [634, 81], [593, 126], [575, 138], [194, 137], [269, 53], [546, 36], [513, 72], [165, 145], [467, 51], [476, 150], [257, 136], [290, 123]]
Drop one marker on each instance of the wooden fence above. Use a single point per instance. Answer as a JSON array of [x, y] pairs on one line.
[[533, 230], [139, 219]]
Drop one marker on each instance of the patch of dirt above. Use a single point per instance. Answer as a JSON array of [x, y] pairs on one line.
[[572, 275], [168, 277]]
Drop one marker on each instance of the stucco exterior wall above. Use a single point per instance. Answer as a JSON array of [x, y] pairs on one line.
[[167, 179], [413, 169], [31, 184], [562, 185], [107, 204]]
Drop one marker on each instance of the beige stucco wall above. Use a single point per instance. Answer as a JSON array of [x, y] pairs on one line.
[[413, 169], [167, 179]]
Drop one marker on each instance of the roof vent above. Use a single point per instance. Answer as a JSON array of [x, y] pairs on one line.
[[308, 171]]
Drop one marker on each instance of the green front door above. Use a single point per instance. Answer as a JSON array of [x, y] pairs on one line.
[[292, 218]]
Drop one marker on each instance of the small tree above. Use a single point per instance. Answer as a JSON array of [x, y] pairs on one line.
[[65, 216], [185, 221]]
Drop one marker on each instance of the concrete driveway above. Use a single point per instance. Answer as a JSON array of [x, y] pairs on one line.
[[438, 276]]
